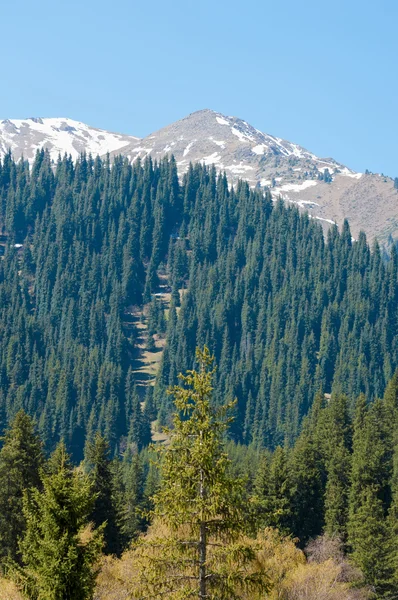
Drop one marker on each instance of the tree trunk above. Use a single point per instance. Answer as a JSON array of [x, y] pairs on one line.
[[202, 562], [202, 541]]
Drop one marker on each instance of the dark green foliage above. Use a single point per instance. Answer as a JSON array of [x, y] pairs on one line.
[[273, 491], [369, 531], [340, 478], [286, 312], [308, 486], [325, 176], [149, 406], [93, 238], [134, 520], [333, 433], [139, 432], [105, 509], [21, 459], [59, 549], [156, 318]]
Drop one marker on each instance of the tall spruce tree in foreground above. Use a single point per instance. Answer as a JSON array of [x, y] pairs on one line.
[[21, 458], [60, 548], [199, 550]]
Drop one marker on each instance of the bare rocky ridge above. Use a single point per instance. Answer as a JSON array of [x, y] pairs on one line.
[[328, 190]]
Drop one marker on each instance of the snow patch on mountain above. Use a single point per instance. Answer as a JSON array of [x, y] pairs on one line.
[[212, 158], [347, 173], [296, 187], [187, 149], [259, 149], [220, 143], [59, 135], [239, 169]]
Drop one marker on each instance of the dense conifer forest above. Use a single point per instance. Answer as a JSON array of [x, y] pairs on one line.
[[286, 313], [317, 520], [303, 330]]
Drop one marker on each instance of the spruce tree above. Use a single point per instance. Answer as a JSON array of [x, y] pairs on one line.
[[308, 481], [369, 534], [272, 489], [132, 511], [101, 476], [21, 459], [60, 548], [200, 505]]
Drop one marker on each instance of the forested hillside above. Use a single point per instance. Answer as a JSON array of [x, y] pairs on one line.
[[286, 312], [207, 518]]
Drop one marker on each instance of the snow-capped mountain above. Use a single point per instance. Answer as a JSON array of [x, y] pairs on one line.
[[326, 189], [59, 135], [231, 144]]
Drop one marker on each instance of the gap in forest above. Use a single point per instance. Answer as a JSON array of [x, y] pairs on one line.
[[145, 363]]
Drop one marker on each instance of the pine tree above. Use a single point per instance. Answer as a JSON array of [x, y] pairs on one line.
[[134, 520], [101, 476], [372, 542], [21, 459], [334, 438], [273, 492], [369, 534], [307, 491], [336, 492], [199, 503], [60, 549]]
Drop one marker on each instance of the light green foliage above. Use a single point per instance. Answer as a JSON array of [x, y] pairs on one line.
[[199, 508]]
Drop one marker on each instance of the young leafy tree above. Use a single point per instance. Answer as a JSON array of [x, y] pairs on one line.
[[200, 551], [60, 548]]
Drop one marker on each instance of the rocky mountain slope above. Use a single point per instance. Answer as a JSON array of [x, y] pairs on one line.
[[59, 135], [328, 190]]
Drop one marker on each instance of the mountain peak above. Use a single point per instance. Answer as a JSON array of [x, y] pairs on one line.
[[326, 189], [230, 143]]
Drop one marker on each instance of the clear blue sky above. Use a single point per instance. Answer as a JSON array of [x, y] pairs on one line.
[[321, 74]]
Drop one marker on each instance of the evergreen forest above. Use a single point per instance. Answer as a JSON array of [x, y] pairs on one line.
[[286, 312], [293, 401]]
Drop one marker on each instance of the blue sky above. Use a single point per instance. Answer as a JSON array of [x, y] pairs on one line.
[[321, 74]]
